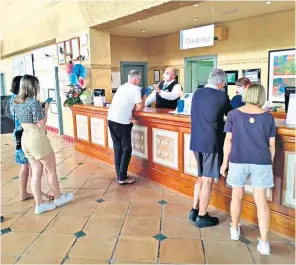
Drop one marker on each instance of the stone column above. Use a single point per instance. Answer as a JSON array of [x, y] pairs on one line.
[[99, 69]]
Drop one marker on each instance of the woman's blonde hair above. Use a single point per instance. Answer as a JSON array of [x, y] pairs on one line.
[[255, 95], [29, 88]]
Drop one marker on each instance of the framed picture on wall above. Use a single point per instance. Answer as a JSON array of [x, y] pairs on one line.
[[231, 77], [156, 76], [53, 108], [281, 73], [68, 49], [253, 74], [15, 67], [29, 65], [22, 66], [52, 94], [61, 53], [75, 48]]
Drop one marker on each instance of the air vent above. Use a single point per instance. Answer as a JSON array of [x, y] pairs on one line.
[[230, 11]]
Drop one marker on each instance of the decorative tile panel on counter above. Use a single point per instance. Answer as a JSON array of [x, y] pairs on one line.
[[165, 148], [110, 142], [190, 163], [82, 127], [289, 189], [139, 141], [97, 128]]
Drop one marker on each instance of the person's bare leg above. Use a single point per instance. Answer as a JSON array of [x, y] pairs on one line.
[[262, 213], [37, 168], [23, 181], [197, 188], [205, 195], [49, 163], [236, 205]]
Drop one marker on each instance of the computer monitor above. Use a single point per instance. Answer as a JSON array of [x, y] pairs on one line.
[[288, 92]]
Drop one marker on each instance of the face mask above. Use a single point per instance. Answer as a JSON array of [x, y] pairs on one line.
[[166, 77], [240, 90]]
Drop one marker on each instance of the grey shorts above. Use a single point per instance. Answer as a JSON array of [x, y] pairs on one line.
[[260, 176], [208, 164]]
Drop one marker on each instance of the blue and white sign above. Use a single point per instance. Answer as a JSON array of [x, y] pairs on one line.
[[197, 37]]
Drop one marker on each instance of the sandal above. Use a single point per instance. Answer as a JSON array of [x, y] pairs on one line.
[[29, 196], [47, 197]]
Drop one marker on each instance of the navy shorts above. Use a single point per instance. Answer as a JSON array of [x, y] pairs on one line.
[[208, 164]]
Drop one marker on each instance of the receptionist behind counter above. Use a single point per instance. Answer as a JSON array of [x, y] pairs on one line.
[[167, 92]]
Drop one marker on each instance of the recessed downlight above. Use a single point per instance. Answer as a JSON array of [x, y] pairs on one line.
[[268, 2], [195, 19], [139, 21], [195, 5], [143, 31]]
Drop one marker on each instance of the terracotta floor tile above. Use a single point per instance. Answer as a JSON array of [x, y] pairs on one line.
[[17, 206], [112, 209], [89, 194], [32, 223], [27, 259], [116, 185], [144, 249], [175, 197], [7, 259], [177, 228], [9, 219], [23, 240], [116, 194], [98, 225], [51, 246], [82, 172], [93, 247], [72, 183], [145, 209], [97, 184], [141, 226], [79, 207], [281, 253], [106, 173], [176, 210], [252, 233], [227, 252], [67, 224], [147, 184], [181, 251], [148, 195], [219, 232], [86, 261]]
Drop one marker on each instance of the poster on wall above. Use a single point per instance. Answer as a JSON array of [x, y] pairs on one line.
[[29, 64], [281, 73], [22, 66], [61, 52], [253, 74], [15, 67], [75, 48], [231, 77]]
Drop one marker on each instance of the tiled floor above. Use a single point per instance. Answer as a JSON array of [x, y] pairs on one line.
[[142, 223]]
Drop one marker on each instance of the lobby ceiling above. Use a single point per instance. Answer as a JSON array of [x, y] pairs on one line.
[[205, 13]]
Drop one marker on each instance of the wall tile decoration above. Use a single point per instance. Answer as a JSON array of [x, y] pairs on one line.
[[97, 126], [82, 127], [139, 141], [289, 189], [190, 163]]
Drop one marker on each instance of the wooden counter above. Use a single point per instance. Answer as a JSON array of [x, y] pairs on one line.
[[161, 153]]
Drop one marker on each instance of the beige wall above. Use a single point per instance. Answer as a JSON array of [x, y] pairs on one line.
[[247, 46]]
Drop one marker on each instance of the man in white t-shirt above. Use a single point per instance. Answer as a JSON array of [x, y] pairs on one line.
[[119, 115]]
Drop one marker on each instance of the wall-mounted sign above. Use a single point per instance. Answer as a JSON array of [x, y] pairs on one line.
[[253, 74], [231, 77], [197, 37]]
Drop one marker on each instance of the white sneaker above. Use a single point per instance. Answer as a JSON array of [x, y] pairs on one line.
[[65, 198], [263, 247], [235, 234], [44, 207]]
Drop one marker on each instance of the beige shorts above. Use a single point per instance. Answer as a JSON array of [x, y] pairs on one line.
[[35, 142]]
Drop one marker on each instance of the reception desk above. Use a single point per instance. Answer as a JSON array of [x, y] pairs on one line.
[[161, 153]]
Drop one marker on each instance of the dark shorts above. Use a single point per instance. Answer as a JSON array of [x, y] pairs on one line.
[[208, 164]]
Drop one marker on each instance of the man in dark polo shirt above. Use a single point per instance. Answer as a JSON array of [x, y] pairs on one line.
[[209, 105]]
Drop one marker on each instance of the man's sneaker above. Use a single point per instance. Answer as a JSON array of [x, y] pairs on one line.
[[44, 207], [129, 180], [206, 221], [235, 234], [193, 215], [263, 247], [65, 198]]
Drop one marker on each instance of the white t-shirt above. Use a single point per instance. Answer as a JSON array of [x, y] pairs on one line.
[[123, 103]]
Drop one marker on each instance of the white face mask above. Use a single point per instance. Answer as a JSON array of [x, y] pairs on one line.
[[166, 77], [240, 90]]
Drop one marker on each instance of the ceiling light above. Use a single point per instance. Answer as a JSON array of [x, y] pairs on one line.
[[268, 2], [195, 5], [143, 31], [195, 19], [139, 21]]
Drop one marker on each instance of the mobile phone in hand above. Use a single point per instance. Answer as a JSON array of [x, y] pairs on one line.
[[46, 101]]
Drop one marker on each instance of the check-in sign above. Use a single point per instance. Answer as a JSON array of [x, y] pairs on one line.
[[197, 37]]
